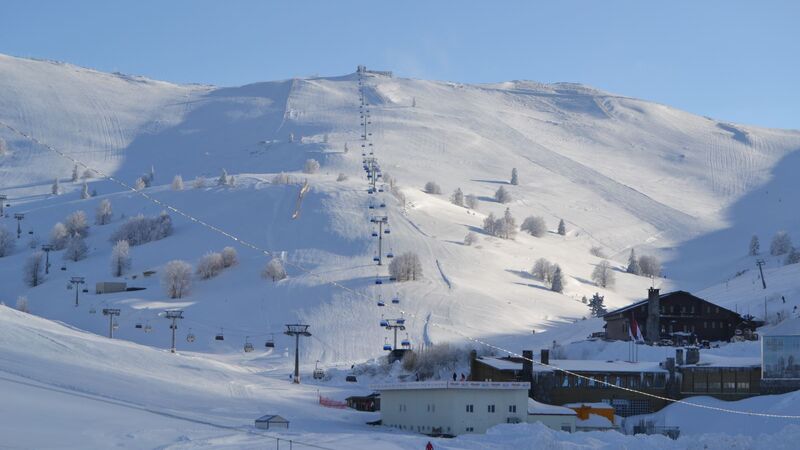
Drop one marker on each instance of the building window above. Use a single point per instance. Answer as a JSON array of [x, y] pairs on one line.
[[490, 408], [469, 429], [743, 386], [713, 325], [470, 408], [512, 408]]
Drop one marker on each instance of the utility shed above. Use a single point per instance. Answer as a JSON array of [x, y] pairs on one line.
[[450, 408], [108, 287], [272, 422]]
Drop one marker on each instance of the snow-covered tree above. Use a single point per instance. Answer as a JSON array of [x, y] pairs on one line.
[[22, 304], [76, 223], [140, 184], [33, 271], [232, 181], [210, 265], [74, 177], [557, 285], [490, 225], [311, 166], [341, 177], [346, 148], [562, 227], [223, 178], [471, 238], [199, 182], [291, 137], [406, 267], [76, 249], [120, 258], [177, 183], [56, 188], [85, 191], [650, 266], [471, 201], [7, 242], [603, 274], [457, 198], [502, 195], [177, 278], [596, 305], [432, 188], [274, 270], [543, 270], [633, 264], [755, 246], [781, 244], [793, 257], [229, 257], [59, 236], [141, 230], [514, 176], [507, 226], [534, 225]]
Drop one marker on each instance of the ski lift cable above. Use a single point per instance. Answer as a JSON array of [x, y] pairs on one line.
[[309, 272]]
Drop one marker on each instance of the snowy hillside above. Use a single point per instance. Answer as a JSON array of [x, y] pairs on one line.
[[622, 173]]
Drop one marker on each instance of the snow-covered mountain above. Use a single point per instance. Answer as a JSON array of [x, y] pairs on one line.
[[622, 173]]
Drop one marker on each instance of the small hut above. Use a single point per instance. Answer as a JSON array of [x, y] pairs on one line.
[[272, 422]]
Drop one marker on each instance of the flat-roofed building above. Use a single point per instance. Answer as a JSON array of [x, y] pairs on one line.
[[451, 408]]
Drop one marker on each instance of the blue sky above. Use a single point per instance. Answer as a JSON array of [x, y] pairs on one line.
[[732, 60]]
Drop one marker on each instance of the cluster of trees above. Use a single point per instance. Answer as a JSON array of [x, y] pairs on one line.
[[406, 267], [471, 238], [282, 178], [146, 180], [781, 245], [212, 263], [645, 265], [141, 230], [504, 227], [75, 227], [226, 180], [33, 270], [88, 173], [548, 273]]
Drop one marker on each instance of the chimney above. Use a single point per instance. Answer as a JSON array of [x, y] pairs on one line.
[[679, 356], [544, 356], [653, 315], [527, 365]]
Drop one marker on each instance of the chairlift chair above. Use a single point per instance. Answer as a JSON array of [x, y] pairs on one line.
[[374, 234], [85, 291], [396, 299], [190, 337], [381, 302], [392, 278], [384, 322], [138, 326], [378, 281], [270, 342], [383, 204], [318, 373], [64, 268], [405, 342], [219, 336], [376, 259], [387, 231], [401, 321], [386, 345], [115, 325], [248, 347], [390, 254]]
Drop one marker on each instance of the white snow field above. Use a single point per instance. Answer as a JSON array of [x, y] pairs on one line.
[[622, 173]]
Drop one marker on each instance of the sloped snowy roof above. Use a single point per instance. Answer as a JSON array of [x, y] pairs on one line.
[[726, 361], [578, 365], [537, 408], [642, 302], [501, 363], [485, 385]]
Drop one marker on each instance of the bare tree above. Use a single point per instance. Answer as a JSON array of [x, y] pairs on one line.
[[223, 178], [210, 265], [471, 201], [7, 242], [432, 188], [341, 177], [534, 225], [56, 188], [177, 183], [229, 257], [603, 274], [471, 238], [781, 244], [311, 166], [650, 266], [502, 195], [543, 270], [597, 251], [177, 278], [406, 267], [141, 230], [103, 214], [33, 271], [140, 184], [76, 248], [74, 177], [120, 258], [85, 191], [274, 270]]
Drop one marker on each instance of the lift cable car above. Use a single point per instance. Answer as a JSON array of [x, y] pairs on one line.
[[190, 336], [220, 336], [248, 347]]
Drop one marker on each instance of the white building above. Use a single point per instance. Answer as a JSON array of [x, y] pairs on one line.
[[556, 417], [452, 407]]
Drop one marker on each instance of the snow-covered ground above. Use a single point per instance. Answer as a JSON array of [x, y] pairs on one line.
[[622, 173]]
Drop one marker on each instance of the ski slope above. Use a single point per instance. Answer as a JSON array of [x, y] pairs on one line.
[[623, 173]]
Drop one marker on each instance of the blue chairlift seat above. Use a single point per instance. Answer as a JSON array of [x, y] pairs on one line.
[[405, 343], [396, 300], [378, 281], [384, 323], [375, 258], [387, 347], [374, 234], [386, 231], [401, 321]]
